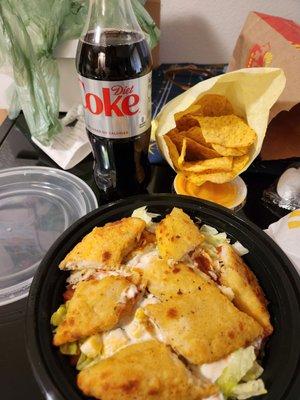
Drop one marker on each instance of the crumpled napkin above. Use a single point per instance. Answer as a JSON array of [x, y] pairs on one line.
[[286, 233], [71, 145]]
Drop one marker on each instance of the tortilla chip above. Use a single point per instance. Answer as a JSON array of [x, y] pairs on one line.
[[228, 131], [195, 134], [105, 247], [231, 151], [239, 163], [173, 152], [182, 154], [186, 122], [176, 138], [194, 109], [96, 306], [203, 326], [216, 176], [248, 295], [216, 164], [214, 105], [209, 105], [177, 235], [143, 371], [194, 150]]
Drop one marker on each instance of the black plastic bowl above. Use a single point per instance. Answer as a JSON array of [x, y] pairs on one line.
[[278, 278]]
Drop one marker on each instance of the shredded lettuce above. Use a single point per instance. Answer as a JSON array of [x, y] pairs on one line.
[[240, 362], [251, 388], [92, 346], [59, 315], [213, 239], [209, 230], [240, 249], [242, 367], [143, 214], [254, 372], [70, 349], [83, 362]]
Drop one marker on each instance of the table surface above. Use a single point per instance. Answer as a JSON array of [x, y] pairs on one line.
[[16, 149]]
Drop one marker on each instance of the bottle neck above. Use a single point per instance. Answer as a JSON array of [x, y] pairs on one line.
[[111, 14]]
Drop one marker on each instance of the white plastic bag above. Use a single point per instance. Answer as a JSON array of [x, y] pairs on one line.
[[286, 233]]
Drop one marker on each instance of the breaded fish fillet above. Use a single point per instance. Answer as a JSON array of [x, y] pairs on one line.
[[142, 371], [203, 326], [177, 235], [96, 306], [146, 243], [105, 247], [164, 281], [248, 295]]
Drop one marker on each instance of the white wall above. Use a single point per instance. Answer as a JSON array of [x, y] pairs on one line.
[[205, 31]]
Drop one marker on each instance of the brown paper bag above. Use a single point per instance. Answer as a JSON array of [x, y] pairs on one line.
[[268, 41]]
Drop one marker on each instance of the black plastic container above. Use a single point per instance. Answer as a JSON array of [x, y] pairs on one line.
[[277, 276]]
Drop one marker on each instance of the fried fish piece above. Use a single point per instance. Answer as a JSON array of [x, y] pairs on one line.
[[248, 295], [96, 306], [143, 371], [164, 281], [203, 326], [177, 235], [105, 247], [147, 243]]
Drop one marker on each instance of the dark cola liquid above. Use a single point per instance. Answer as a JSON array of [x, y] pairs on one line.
[[121, 165]]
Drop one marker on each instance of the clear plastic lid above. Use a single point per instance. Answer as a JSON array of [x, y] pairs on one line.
[[36, 205]]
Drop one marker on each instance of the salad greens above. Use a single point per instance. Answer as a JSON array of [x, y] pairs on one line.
[[59, 315], [213, 239], [238, 380], [242, 366]]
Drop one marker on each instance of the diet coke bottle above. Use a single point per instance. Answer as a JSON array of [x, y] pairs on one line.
[[114, 66]]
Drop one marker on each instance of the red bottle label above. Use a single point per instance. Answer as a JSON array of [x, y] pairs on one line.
[[117, 109]]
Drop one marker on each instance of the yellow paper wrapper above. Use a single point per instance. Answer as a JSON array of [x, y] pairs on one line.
[[251, 91]]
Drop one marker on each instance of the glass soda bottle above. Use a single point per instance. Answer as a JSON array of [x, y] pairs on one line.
[[114, 65]]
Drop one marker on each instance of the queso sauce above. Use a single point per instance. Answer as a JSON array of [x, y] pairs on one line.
[[221, 193]]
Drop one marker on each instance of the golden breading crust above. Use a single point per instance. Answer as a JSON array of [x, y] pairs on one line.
[[177, 235], [203, 326], [105, 247], [142, 371], [96, 306], [248, 295], [164, 281], [147, 242]]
